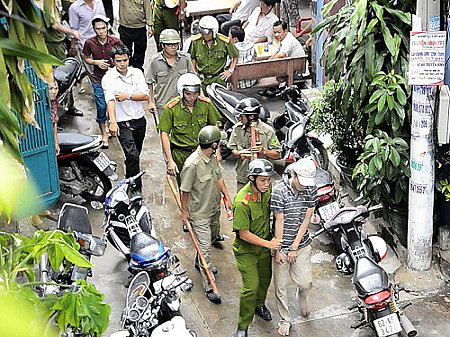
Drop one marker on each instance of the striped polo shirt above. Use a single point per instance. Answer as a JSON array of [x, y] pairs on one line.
[[293, 205]]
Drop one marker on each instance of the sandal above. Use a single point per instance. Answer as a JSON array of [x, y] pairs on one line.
[[284, 328]]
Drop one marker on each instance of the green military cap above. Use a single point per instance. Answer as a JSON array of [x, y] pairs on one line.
[[169, 36], [210, 134]]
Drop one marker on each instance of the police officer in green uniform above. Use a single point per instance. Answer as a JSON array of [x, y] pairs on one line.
[[210, 51], [253, 243], [166, 14], [181, 121], [248, 110], [201, 187]]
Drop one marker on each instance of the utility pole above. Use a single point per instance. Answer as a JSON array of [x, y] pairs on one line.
[[421, 183]]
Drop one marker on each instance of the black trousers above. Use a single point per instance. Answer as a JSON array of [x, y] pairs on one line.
[[109, 11], [131, 137], [226, 23], [136, 41]]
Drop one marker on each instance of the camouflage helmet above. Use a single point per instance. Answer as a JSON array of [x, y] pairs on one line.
[[169, 36], [260, 167], [210, 134]]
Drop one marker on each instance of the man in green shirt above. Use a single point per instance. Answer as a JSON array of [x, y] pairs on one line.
[[248, 110], [210, 51], [166, 15], [181, 121], [201, 187], [251, 223], [164, 69]]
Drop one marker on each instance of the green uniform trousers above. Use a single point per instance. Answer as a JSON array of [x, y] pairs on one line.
[[256, 272], [179, 157], [164, 18], [208, 81]]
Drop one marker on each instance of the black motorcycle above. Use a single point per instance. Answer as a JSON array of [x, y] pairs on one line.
[[125, 215], [84, 170], [377, 298]]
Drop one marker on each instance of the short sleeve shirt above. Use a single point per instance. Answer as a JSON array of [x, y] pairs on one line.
[[199, 178], [293, 205], [253, 215], [257, 29], [240, 139], [212, 61], [163, 77], [97, 51], [183, 125]]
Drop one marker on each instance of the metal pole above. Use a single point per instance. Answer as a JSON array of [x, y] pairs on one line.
[[421, 183]]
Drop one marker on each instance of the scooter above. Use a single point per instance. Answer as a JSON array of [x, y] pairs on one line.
[[125, 215], [83, 169], [376, 296], [152, 313]]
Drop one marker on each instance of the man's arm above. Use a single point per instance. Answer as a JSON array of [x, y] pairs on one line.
[[261, 39], [113, 127], [66, 30], [148, 9], [184, 206], [151, 100], [224, 191], [246, 235], [278, 55], [303, 228], [171, 166]]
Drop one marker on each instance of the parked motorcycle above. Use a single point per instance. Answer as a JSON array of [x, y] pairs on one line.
[[84, 170], [290, 127], [152, 309], [76, 219], [125, 215], [377, 297]]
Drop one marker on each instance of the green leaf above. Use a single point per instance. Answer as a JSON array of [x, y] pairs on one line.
[[401, 97], [328, 7], [75, 257], [369, 55], [400, 142], [394, 157], [404, 17], [378, 162], [372, 167], [376, 95], [381, 102], [14, 48], [376, 144], [371, 25], [391, 102]]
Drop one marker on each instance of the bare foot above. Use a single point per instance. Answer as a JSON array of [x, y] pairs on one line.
[[284, 328]]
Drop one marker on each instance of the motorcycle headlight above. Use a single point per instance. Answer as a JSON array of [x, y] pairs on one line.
[[133, 315]]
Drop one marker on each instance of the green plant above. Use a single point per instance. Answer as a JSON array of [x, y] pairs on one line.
[[328, 118], [383, 171], [443, 186], [81, 308]]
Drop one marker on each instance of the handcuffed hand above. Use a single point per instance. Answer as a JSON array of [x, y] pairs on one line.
[[275, 244], [280, 257]]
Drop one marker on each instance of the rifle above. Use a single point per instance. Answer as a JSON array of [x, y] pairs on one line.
[[255, 141]]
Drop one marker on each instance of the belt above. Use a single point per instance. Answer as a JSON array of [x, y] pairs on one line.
[[209, 76], [182, 148]]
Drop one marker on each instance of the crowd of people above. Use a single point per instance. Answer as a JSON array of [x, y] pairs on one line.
[[173, 85]]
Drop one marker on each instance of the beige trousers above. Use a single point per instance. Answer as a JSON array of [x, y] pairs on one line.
[[206, 230], [301, 274]]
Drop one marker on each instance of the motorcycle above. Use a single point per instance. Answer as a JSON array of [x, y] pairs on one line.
[[125, 215], [76, 219], [83, 170], [290, 127], [376, 297], [152, 309]]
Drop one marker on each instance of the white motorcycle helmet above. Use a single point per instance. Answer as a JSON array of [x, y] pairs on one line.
[[189, 82], [379, 246], [171, 3], [209, 23]]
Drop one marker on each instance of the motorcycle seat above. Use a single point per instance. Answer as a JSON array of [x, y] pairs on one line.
[[69, 141], [369, 278], [145, 249], [65, 74], [231, 97], [294, 110]]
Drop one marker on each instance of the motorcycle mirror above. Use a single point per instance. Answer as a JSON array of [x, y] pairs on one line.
[[122, 333]]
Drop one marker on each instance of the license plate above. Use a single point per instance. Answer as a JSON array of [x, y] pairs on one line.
[[387, 325], [326, 212], [102, 161]]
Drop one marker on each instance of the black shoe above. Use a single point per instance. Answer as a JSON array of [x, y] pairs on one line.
[[241, 333], [76, 113], [264, 313], [266, 93], [218, 245], [214, 270], [213, 297]]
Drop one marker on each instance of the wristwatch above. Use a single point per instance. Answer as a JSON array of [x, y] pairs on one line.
[[129, 96]]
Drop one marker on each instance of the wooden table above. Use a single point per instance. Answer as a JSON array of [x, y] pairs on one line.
[[198, 8]]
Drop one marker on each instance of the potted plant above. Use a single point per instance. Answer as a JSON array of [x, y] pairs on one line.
[[382, 177]]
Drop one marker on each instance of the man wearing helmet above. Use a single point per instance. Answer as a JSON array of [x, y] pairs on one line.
[[166, 14], [181, 121], [248, 110], [201, 186], [210, 51], [253, 243], [164, 69], [293, 200]]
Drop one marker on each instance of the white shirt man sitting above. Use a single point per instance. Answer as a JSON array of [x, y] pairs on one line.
[[259, 26]]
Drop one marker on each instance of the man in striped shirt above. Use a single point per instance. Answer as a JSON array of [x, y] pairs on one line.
[[292, 202]]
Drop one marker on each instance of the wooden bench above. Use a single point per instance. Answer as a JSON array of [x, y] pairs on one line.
[[269, 68]]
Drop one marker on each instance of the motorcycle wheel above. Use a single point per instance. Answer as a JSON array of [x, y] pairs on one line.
[[320, 153], [96, 184]]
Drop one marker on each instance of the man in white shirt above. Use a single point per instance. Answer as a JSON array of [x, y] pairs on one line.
[[125, 90], [289, 45], [238, 15], [259, 26]]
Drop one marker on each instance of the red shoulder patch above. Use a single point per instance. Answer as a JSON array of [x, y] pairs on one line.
[[204, 98]]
